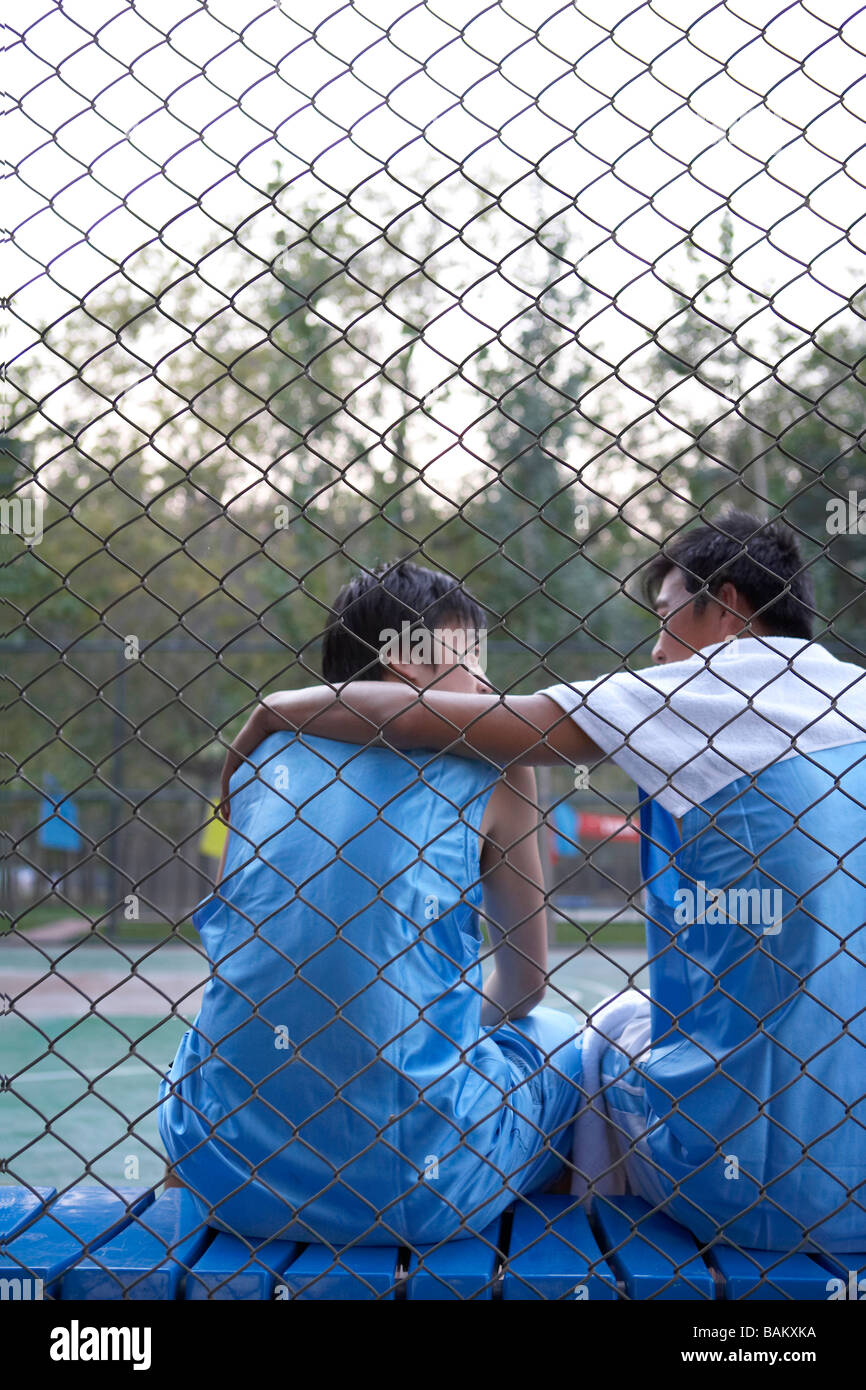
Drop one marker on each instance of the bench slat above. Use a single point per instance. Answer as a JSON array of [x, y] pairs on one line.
[[669, 1268], [768, 1275], [84, 1216], [147, 1259], [359, 1272], [229, 1269], [552, 1246], [457, 1270], [552, 1261], [18, 1206]]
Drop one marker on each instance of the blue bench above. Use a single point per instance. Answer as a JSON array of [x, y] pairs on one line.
[[96, 1243]]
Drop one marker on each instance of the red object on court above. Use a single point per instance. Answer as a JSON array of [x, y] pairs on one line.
[[595, 827]]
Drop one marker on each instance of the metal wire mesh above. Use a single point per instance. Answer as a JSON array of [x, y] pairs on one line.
[[519, 293]]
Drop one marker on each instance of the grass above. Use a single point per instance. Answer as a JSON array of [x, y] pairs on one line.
[[48, 913], [597, 932], [150, 931], [45, 914]]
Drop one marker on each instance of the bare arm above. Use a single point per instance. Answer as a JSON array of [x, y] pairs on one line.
[[508, 729], [514, 905]]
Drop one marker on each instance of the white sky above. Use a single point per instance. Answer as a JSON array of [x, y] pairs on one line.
[[159, 124]]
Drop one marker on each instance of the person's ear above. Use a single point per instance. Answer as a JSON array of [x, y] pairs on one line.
[[400, 671], [734, 612]]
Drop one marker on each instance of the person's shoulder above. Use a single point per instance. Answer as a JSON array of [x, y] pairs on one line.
[[271, 743], [295, 744], [801, 655], [817, 652]]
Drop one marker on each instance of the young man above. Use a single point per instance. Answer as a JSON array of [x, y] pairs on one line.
[[349, 1077], [744, 1113]]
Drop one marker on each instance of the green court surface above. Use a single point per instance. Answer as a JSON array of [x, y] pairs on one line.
[[81, 1096], [95, 1081]]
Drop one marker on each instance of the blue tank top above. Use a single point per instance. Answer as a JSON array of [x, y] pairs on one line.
[[337, 1069], [758, 1062]]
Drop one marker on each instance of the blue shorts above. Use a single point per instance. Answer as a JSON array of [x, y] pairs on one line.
[[544, 1047], [532, 1129]]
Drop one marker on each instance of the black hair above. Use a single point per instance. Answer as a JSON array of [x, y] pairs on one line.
[[386, 598], [760, 558]]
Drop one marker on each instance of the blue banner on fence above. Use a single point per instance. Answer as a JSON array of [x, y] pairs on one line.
[[59, 819], [565, 829]]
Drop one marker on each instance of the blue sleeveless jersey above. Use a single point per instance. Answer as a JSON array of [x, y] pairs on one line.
[[757, 1069], [336, 1072]]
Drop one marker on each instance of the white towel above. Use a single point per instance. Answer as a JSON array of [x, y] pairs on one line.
[[624, 1020], [686, 729]]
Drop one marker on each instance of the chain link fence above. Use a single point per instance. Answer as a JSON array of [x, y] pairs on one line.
[[522, 295]]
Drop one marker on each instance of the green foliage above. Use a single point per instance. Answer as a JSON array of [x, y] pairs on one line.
[[235, 441]]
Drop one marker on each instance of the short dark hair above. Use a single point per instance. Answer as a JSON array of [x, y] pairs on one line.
[[760, 558], [386, 598]]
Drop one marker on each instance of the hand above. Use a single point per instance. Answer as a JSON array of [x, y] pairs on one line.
[[256, 728]]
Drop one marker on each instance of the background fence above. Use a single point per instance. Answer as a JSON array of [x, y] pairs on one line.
[[517, 291]]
